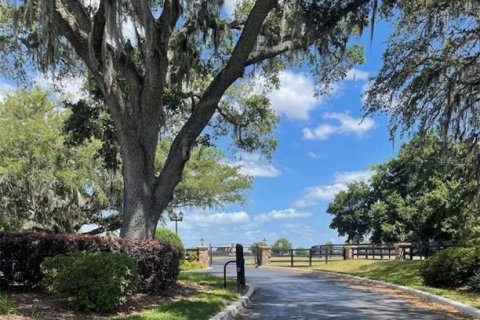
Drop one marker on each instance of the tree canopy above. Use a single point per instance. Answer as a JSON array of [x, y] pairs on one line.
[[423, 194], [138, 52], [44, 184], [282, 244], [430, 75]]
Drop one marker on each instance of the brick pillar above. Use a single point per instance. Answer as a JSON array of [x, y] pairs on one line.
[[265, 255], [203, 256], [349, 252], [400, 250]]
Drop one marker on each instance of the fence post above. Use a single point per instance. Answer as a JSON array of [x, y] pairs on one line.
[[204, 256], [310, 257], [326, 255], [291, 257]]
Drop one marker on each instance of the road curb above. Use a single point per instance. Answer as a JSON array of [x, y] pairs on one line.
[[461, 307], [235, 308]]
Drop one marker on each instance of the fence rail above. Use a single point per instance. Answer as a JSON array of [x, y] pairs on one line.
[[331, 252]]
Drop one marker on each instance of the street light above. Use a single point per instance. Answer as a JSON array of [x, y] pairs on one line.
[[175, 217], [201, 241]]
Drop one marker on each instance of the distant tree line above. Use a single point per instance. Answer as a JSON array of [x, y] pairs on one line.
[[430, 191]]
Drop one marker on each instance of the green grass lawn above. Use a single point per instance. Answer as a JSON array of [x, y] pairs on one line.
[[200, 306], [405, 273]]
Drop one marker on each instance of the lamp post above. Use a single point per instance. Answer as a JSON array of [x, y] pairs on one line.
[[201, 241], [175, 217]]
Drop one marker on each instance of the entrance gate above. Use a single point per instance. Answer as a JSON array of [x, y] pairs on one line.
[[218, 255]]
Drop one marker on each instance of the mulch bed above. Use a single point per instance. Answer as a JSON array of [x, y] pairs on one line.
[[45, 306]]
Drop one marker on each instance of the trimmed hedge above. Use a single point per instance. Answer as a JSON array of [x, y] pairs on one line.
[[167, 236], [21, 254], [91, 281]]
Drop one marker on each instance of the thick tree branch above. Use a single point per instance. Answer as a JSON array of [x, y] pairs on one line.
[[309, 38], [74, 24], [180, 150]]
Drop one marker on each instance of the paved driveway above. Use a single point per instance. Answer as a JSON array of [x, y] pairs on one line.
[[281, 294]]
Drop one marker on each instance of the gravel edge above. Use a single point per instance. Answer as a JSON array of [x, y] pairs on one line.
[[235, 308]]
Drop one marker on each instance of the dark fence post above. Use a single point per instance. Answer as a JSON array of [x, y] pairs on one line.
[[326, 255], [240, 267], [310, 257], [291, 257]]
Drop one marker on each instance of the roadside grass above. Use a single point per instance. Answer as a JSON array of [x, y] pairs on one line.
[[198, 307], [405, 273], [6, 304]]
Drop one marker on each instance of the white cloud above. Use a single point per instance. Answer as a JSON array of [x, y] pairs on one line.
[[70, 87], [347, 125], [295, 97], [316, 194], [357, 75], [350, 176], [256, 166], [282, 215], [218, 218]]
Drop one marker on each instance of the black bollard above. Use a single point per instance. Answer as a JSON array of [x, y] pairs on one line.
[[240, 267]]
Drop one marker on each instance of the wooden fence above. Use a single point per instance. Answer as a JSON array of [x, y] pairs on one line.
[[331, 252]]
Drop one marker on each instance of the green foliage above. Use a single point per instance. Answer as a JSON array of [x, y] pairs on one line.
[[61, 187], [452, 267], [351, 212], [208, 180], [92, 281], [282, 244], [426, 193], [191, 265], [6, 304], [167, 236], [429, 77], [474, 282]]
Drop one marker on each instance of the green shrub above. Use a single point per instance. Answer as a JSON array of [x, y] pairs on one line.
[[6, 304], [452, 267], [166, 236], [191, 265], [191, 256], [97, 281], [474, 282]]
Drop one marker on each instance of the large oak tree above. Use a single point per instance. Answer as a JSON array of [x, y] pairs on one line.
[[137, 51]]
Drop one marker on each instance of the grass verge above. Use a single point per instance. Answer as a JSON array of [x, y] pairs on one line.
[[405, 273], [202, 305]]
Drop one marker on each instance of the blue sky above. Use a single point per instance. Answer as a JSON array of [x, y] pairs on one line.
[[323, 145]]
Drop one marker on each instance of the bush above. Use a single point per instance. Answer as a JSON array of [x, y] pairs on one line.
[[474, 282], [452, 267], [167, 236], [191, 265], [6, 304], [98, 281], [22, 253], [191, 256]]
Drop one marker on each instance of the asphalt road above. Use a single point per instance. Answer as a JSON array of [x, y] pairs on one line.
[[280, 294]]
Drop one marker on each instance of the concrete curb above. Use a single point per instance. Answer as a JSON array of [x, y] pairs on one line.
[[234, 309], [461, 307]]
